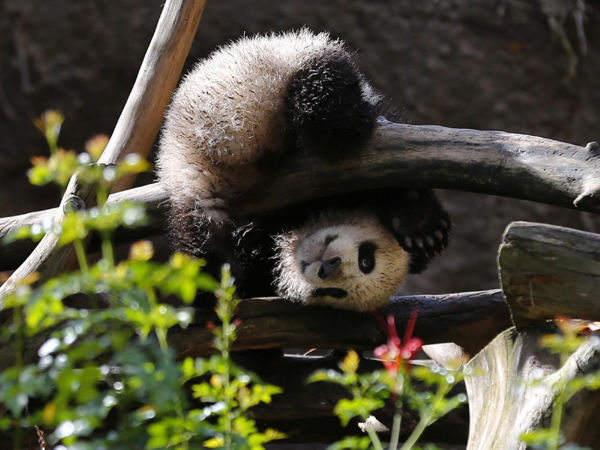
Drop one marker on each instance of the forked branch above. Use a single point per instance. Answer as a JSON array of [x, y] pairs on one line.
[[139, 122]]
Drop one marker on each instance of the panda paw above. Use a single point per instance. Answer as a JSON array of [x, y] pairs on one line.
[[420, 224]]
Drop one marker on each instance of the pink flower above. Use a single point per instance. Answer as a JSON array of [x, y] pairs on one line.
[[394, 354]]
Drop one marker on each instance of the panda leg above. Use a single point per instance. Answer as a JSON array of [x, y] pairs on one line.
[[420, 224], [204, 233], [328, 107]]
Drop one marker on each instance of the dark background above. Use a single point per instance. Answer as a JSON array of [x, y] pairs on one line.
[[483, 64]]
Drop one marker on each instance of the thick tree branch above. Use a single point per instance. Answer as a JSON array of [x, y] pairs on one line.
[[305, 411], [490, 162], [470, 319], [157, 78]]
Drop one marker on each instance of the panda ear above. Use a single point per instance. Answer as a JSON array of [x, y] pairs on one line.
[[419, 223]]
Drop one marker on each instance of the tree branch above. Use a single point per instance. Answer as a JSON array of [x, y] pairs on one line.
[[488, 162], [399, 155]]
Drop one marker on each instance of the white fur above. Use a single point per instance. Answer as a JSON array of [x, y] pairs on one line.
[[229, 111], [365, 291]]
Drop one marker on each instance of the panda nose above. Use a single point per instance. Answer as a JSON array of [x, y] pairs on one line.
[[329, 267]]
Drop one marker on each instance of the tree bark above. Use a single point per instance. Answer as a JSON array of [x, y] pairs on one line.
[[305, 411]]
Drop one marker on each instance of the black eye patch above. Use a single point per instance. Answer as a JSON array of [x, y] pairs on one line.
[[366, 256], [330, 239]]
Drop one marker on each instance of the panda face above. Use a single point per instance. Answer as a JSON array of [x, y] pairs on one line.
[[346, 260]]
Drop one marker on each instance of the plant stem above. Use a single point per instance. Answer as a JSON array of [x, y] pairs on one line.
[[555, 423], [558, 411], [19, 347], [374, 438], [426, 417], [401, 386], [81, 257], [107, 251], [395, 437], [225, 313]]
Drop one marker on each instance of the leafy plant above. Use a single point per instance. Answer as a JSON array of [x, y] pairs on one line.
[[369, 391], [103, 375]]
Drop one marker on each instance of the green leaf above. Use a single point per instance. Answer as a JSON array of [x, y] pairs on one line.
[[351, 442], [346, 409], [326, 375], [215, 442], [350, 363]]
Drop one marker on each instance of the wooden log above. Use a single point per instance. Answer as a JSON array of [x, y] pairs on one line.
[[140, 120], [548, 271], [512, 388], [488, 162], [47, 258], [470, 320]]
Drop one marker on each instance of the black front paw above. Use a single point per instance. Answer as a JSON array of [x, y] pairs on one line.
[[421, 226]]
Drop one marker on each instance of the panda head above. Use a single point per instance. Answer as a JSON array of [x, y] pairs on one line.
[[345, 259]]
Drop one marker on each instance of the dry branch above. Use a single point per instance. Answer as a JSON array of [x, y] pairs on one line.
[[548, 270], [159, 73], [152, 196], [138, 125], [470, 319], [47, 258]]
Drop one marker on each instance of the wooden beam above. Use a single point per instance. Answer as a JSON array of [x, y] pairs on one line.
[[488, 162], [400, 155], [305, 411]]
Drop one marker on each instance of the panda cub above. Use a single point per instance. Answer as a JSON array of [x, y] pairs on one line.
[[240, 115]]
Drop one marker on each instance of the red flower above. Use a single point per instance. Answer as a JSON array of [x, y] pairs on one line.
[[394, 354]]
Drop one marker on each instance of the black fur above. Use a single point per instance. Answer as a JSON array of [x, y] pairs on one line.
[[326, 107]]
